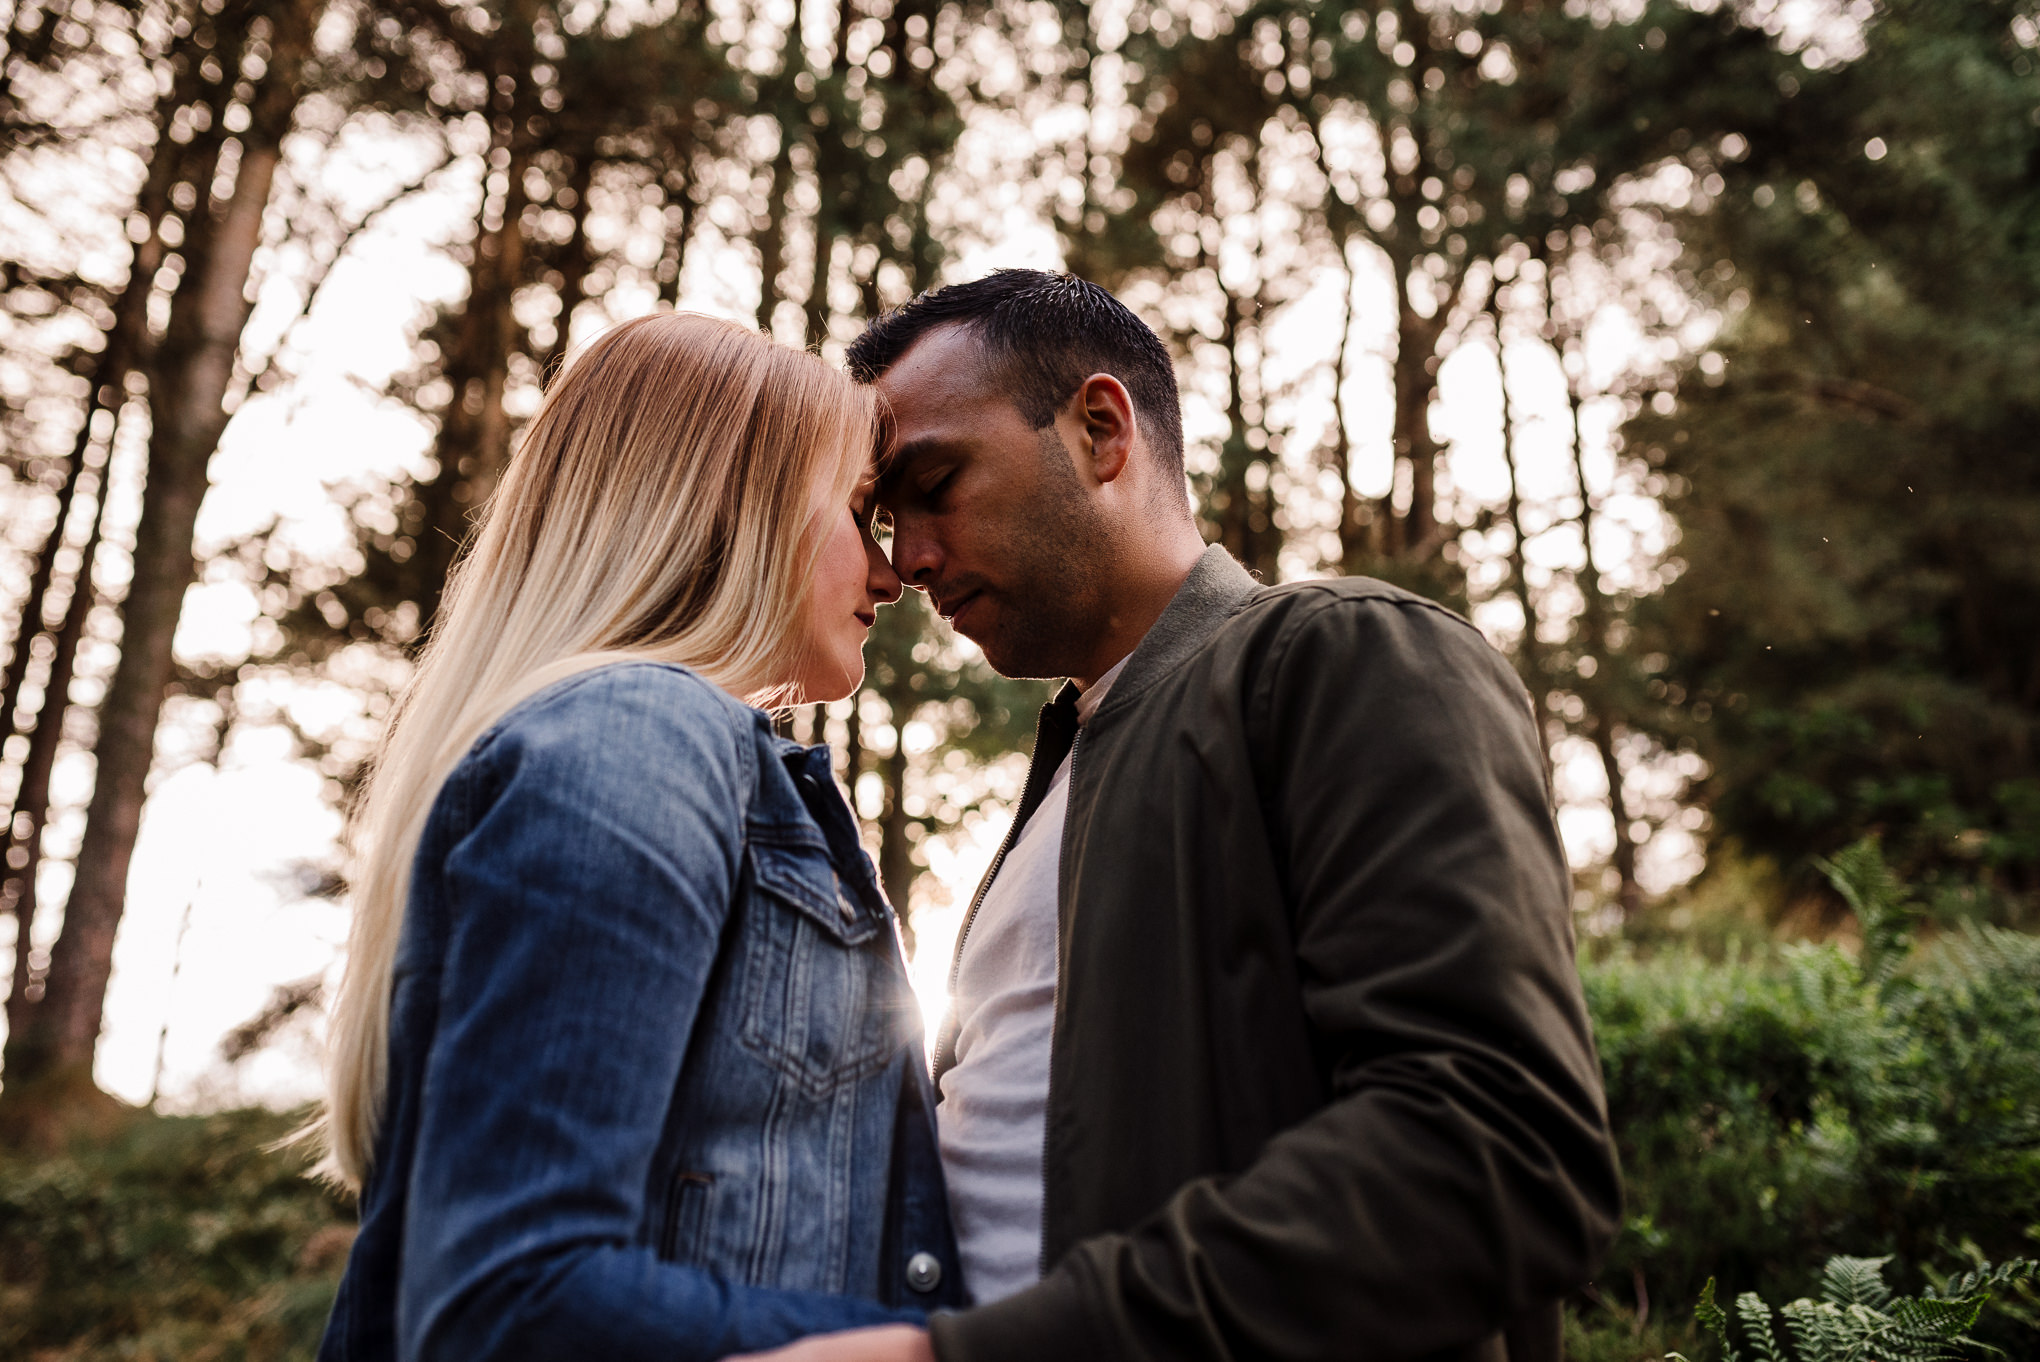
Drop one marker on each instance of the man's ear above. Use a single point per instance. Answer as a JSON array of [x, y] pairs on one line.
[[1104, 409]]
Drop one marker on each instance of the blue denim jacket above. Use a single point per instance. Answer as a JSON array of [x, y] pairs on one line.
[[656, 1086]]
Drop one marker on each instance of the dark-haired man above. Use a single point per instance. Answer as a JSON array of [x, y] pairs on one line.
[[1266, 1039]]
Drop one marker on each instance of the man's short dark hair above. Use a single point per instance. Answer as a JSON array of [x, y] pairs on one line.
[[1043, 334]]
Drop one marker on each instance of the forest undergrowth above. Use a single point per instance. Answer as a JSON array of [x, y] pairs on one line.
[[1777, 1104]]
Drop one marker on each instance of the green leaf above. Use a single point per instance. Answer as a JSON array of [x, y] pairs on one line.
[[1855, 1281], [1714, 1320], [1756, 1322]]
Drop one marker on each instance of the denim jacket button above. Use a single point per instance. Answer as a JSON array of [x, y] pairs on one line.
[[924, 1272]]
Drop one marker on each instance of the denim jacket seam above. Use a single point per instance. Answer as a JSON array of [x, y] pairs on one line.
[[546, 696]]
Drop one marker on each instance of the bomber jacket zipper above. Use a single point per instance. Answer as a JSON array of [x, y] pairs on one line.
[[1048, 1095]]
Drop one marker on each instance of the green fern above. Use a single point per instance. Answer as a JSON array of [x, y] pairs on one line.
[[1713, 1319], [1756, 1323], [1855, 1281], [1884, 908], [1985, 1279], [1857, 1319]]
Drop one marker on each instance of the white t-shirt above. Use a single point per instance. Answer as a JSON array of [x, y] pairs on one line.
[[994, 1106]]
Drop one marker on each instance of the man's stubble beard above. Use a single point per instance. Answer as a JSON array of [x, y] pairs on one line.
[[1054, 599]]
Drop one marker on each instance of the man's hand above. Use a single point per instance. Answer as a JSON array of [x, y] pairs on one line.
[[887, 1343]]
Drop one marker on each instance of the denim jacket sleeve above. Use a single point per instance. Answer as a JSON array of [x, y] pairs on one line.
[[585, 905]]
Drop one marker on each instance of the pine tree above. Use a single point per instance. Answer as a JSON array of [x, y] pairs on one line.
[[1854, 645]]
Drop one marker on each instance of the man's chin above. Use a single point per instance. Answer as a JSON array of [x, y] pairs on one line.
[[1015, 660], [1019, 649], [989, 641]]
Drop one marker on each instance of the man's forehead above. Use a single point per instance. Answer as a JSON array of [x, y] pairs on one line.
[[937, 395], [947, 365]]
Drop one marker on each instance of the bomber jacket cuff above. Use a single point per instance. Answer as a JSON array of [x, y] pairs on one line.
[[1049, 1320]]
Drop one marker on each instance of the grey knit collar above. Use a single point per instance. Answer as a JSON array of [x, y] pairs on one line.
[[1216, 590]]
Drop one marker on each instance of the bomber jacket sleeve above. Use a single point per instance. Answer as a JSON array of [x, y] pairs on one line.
[[585, 906], [1461, 1172]]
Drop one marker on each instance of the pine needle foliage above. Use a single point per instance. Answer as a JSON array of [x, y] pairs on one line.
[[1857, 1318]]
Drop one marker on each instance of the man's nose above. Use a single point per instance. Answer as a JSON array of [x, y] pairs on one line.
[[915, 554]]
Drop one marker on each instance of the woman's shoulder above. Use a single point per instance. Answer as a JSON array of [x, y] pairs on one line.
[[654, 717]]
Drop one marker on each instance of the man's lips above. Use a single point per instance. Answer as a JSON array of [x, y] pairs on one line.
[[949, 609], [867, 618]]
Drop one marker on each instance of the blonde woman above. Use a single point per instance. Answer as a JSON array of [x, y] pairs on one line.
[[625, 1064]]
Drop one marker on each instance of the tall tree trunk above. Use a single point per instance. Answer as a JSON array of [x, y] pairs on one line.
[[1244, 514], [30, 815], [817, 305], [1604, 717], [679, 190], [1416, 380], [896, 868], [187, 385], [42, 575], [1529, 660], [108, 393], [770, 237], [474, 430], [576, 259], [1359, 523]]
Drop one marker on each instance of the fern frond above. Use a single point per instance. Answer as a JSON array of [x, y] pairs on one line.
[[1985, 1279], [1855, 1281], [1928, 1330], [1882, 906], [1820, 1332], [1756, 1323], [1861, 876], [1712, 1318]]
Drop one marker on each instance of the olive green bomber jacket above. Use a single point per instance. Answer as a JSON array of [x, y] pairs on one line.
[[1322, 1084]]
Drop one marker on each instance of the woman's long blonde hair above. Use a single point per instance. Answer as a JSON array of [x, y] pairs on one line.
[[664, 504]]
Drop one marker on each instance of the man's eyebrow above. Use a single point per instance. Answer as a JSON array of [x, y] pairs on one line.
[[902, 457]]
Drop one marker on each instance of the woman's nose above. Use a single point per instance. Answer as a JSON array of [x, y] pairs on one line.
[[882, 581]]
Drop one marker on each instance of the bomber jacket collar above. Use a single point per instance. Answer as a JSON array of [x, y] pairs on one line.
[[1213, 593]]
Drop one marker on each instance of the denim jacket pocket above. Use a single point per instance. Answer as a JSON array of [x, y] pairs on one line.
[[686, 1217], [816, 996]]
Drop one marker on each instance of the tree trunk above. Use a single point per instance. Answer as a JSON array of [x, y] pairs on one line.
[[39, 579], [32, 800], [108, 393], [1416, 380], [1529, 662], [817, 304], [1244, 514], [896, 868], [576, 259], [1359, 522], [679, 190], [474, 430], [1604, 718], [771, 234], [186, 389]]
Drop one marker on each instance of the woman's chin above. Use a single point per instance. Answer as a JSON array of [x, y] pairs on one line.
[[839, 685]]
